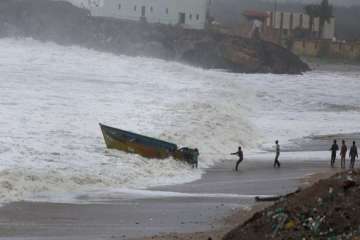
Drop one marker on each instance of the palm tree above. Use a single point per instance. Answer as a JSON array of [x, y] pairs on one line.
[[312, 11], [325, 13]]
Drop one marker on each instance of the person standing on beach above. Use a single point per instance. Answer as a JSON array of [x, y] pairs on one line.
[[240, 154], [277, 146], [196, 158], [343, 152], [334, 148], [353, 154]]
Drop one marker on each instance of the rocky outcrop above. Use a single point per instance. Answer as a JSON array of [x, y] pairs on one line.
[[65, 24]]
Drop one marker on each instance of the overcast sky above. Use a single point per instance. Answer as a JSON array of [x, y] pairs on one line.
[[335, 2]]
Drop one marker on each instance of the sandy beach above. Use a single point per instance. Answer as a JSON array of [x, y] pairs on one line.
[[210, 206]]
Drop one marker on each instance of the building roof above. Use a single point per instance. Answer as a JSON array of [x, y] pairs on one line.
[[256, 14]]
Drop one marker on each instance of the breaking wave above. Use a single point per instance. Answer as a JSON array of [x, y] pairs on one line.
[[54, 97]]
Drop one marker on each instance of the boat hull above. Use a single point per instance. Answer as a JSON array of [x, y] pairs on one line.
[[145, 146], [137, 144]]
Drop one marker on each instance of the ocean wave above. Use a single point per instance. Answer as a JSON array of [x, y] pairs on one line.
[[51, 141]]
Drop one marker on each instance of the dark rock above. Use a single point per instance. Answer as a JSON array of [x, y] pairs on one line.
[[348, 184], [65, 24], [337, 217]]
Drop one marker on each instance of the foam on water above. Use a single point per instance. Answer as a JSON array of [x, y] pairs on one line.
[[316, 103], [52, 99]]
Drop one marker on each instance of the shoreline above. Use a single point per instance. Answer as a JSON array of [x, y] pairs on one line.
[[238, 218], [226, 225], [209, 206]]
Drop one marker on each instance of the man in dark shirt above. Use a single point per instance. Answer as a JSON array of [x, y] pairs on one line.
[[343, 152], [196, 158], [277, 148], [334, 148], [353, 154], [240, 154]]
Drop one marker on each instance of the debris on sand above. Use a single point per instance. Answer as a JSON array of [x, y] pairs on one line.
[[330, 209]]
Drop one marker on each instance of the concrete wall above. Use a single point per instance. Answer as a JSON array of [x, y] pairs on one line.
[[155, 11], [318, 48]]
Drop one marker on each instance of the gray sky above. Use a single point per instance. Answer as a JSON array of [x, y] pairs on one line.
[[335, 2]]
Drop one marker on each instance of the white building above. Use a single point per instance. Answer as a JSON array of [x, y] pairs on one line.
[[287, 22], [191, 14]]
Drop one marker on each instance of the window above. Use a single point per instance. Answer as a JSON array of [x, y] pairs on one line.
[[301, 21], [190, 16], [135, 8], [167, 11], [182, 18], [151, 9], [119, 6], [197, 16]]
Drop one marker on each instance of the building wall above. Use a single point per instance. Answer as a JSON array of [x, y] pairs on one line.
[[289, 21], [156, 11], [325, 48], [329, 30]]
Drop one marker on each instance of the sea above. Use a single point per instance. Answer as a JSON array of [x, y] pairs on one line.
[[52, 99]]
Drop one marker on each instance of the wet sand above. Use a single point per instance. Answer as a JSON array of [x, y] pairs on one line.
[[205, 207]]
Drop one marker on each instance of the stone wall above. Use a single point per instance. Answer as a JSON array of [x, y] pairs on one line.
[[329, 49]]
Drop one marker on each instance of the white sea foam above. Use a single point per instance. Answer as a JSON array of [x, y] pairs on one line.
[[53, 97]]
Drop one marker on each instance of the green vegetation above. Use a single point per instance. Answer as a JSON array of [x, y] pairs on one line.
[[325, 14], [312, 11], [323, 11]]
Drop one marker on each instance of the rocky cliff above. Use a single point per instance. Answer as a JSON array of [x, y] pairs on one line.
[[65, 24]]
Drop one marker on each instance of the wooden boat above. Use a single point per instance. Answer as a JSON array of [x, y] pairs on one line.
[[146, 146]]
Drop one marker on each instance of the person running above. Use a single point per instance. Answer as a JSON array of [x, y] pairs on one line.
[[276, 162], [353, 154], [334, 148], [240, 154], [343, 152]]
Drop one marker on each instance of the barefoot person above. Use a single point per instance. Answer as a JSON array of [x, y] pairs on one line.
[[343, 152], [334, 148], [240, 154], [353, 154], [277, 147]]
